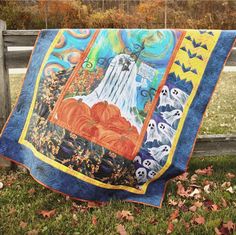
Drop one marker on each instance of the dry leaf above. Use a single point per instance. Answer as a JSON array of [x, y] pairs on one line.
[[47, 214], [206, 188], [174, 214], [195, 192], [224, 203], [170, 228], [121, 229], [193, 208], [94, 220], [124, 215], [226, 185], [23, 224], [230, 175], [230, 225], [33, 232], [12, 211], [199, 220], [172, 202], [181, 190], [214, 207], [230, 190], [183, 177], [198, 204], [31, 191], [206, 171], [193, 178]]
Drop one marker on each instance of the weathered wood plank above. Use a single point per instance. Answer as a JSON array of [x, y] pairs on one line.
[[215, 145], [13, 41], [5, 99], [17, 59]]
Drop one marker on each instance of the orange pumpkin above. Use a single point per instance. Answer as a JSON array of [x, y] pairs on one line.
[[86, 125], [102, 111], [70, 109], [123, 145]]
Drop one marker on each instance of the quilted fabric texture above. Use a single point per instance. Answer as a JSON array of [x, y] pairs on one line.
[[113, 113]]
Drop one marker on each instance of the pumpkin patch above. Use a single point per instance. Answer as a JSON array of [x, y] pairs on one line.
[[102, 124]]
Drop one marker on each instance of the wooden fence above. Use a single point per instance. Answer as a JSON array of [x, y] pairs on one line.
[[208, 145]]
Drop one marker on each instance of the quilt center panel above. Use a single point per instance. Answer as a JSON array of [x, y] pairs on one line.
[[108, 99]]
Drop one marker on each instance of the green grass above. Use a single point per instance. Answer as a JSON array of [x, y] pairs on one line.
[[220, 118]]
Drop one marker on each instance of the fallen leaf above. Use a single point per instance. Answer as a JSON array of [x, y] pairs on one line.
[[33, 232], [94, 220], [193, 208], [198, 204], [12, 211], [170, 228], [31, 191], [224, 203], [183, 177], [193, 178], [23, 224], [121, 229], [124, 215], [174, 214], [195, 192], [229, 225], [153, 221], [230, 190], [206, 171], [208, 204], [47, 214], [218, 231], [206, 188], [172, 202], [214, 207], [199, 220], [230, 175], [181, 190], [226, 185]]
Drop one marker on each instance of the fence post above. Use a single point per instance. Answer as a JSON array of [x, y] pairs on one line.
[[5, 98]]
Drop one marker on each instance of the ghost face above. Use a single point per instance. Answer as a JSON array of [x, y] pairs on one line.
[[179, 96], [151, 174], [152, 125], [152, 133], [141, 175], [151, 164], [165, 91]]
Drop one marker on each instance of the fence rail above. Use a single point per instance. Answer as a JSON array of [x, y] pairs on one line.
[[205, 146]]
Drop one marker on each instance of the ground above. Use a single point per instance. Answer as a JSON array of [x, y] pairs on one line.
[[29, 208]]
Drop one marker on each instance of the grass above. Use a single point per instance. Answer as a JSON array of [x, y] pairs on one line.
[[17, 204]]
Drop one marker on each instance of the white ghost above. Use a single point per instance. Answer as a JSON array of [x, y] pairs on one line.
[[152, 133], [151, 164], [171, 116], [167, 131], [165, 97], [141, 175], [179, 97], [151, 174], [160, 152], [137, 159]]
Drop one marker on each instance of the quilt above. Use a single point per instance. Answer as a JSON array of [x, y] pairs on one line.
[[113, 114]]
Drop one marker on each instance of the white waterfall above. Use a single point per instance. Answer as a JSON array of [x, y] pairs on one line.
[[118, 87]]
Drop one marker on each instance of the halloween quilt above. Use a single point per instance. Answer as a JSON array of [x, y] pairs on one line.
[[108, 114]]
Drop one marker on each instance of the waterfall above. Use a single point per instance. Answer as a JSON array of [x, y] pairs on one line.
[[118, 87]]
